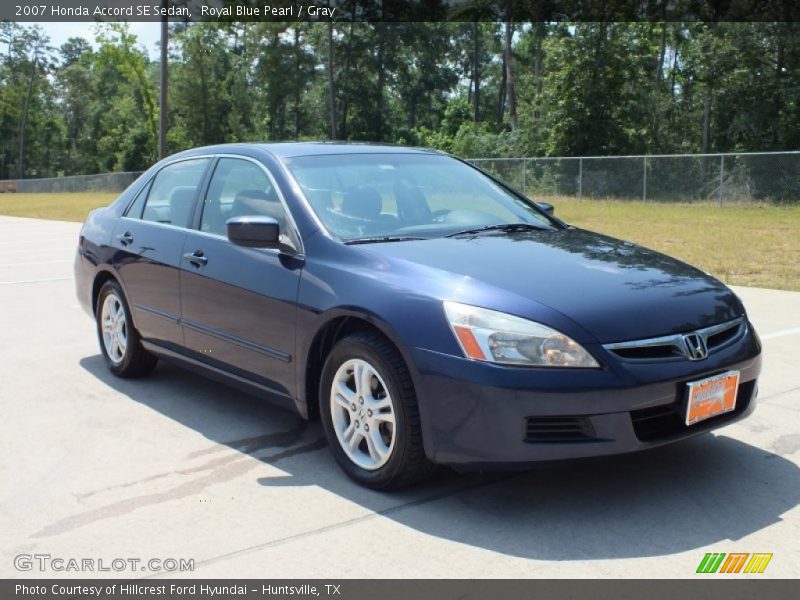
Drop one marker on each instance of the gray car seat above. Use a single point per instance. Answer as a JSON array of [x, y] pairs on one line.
[[364, 202], [181, 202], [257, 203], [412, 208]]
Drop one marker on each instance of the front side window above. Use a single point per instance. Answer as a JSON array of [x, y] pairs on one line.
[[360, 196], [172, 193], [241, 188]]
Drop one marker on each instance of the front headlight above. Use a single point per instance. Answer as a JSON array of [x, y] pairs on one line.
[[493, 336]]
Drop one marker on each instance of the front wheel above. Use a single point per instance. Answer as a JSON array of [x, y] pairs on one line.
[[369, 413], [119, 341]]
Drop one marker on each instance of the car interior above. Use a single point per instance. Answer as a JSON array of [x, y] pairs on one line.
[[246, 203]]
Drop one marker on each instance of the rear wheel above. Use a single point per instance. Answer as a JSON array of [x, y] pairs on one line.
[[370, 415], [120, 343]]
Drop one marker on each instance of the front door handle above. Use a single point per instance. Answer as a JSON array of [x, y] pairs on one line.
[[196, 258], [125, 238]]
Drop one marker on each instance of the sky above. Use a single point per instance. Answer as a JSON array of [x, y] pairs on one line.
[[148, 33]]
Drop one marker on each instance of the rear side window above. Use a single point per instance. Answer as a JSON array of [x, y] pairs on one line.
[[172, 193]]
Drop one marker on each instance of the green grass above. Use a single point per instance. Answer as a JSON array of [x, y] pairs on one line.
[[748, 245], [59, 207]]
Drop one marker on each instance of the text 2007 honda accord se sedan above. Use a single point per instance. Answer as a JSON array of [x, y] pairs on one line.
[[423, 310]]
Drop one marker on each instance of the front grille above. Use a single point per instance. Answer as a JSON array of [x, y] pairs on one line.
[[667, 420], [673, 347], [648, 352], [722, 338], [558, 429]]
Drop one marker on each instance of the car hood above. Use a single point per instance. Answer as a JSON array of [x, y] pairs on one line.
[[613, 289]]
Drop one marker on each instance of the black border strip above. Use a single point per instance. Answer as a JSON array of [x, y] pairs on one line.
[[403, 10]]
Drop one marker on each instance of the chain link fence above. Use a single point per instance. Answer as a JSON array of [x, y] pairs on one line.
[[104, 182], [772, 177]]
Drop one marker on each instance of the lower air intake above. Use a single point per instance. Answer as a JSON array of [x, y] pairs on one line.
[[558, 429]]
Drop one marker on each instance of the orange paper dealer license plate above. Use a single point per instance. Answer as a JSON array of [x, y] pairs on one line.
[[711, 397]]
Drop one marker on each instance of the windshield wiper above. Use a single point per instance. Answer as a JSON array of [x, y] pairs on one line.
[[507, 227], [383, 238]]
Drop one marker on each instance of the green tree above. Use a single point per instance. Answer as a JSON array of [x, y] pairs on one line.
[[125, 112]]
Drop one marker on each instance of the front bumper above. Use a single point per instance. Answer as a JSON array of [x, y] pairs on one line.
[[478, 415]]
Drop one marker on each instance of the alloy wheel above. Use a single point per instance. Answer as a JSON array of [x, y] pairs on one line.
[[363, 414], [114, 328]]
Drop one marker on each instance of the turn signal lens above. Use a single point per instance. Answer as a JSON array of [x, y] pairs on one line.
[[469, 344]]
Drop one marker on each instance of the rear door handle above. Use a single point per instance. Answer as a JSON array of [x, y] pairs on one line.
[[125, 238], [196, 258]]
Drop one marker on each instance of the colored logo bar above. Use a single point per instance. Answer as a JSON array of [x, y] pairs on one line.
[[734, 562]]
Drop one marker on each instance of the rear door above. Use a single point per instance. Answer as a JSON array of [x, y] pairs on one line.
[[149, 240], [239, 304]]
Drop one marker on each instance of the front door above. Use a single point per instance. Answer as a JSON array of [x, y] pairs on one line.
[[238, 304]]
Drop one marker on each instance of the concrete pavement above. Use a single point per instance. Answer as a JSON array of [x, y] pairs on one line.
[[175, 466]]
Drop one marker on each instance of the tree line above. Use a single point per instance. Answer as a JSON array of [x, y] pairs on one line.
[[472, 88]]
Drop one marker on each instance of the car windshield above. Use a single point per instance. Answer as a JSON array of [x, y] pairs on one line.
[[382, 197]]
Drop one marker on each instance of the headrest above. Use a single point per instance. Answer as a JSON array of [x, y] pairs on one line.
[[362, 201], [257, 203], [180, 205]]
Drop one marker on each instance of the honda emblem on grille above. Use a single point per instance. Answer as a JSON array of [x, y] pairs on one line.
[[694, 346]]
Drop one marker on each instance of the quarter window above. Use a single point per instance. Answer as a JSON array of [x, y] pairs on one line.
[[171, 197], [135, 209]]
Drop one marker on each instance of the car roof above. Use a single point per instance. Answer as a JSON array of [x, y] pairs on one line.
[[290, 149], [294, 149]]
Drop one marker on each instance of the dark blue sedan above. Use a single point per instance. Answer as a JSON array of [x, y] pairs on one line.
[[426, 312]]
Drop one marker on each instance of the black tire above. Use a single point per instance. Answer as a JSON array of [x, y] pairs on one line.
[[407, 463], [135, 361]]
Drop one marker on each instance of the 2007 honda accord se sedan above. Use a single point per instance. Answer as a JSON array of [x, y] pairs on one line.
[[424, 311]]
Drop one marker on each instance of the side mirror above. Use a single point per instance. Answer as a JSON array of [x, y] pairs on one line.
[[546, 207], [253, 232]]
